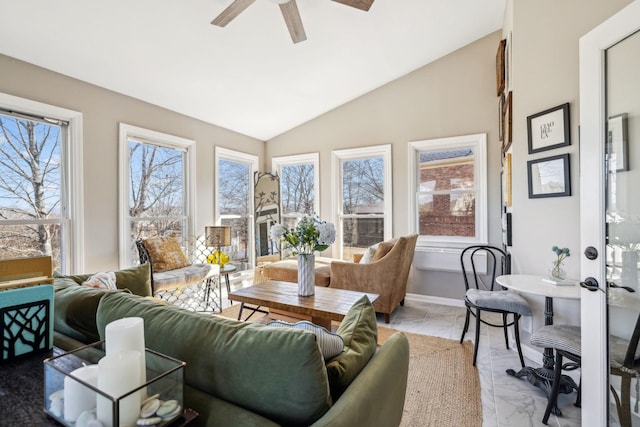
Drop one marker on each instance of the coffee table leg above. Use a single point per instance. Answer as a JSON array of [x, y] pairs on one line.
[[320, 321]]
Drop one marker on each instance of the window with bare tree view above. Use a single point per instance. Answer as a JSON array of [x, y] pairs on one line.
[[155, 193], [33, 210], [156, 197], [234, 202], [298, 187], [365, 198]]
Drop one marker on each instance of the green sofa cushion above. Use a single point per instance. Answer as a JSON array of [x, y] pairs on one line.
[[277, 373], [136, 279], [359, 330], [74, 312]]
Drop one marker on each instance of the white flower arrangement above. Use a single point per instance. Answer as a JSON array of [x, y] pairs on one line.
[[309, 235]]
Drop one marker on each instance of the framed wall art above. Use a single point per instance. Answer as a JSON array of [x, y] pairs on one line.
[[507, 119], [506, 181], [617, 144], [549, 177], [501, 121], [549, 129], [500, 67]]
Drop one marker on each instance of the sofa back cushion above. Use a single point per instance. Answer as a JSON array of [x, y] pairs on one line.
[[74, 312], [277, 373], [135, 279]]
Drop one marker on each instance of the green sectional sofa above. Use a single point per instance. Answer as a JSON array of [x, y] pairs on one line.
[[245, 374]]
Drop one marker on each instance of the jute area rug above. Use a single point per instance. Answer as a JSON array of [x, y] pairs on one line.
[[443, 388]]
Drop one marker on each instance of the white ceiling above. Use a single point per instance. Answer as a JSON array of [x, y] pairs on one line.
[[248, 76]]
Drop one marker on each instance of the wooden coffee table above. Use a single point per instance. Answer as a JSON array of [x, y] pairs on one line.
[[326, 305]]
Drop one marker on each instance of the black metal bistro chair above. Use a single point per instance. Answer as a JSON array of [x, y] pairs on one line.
[[624, 362], [484, 294]]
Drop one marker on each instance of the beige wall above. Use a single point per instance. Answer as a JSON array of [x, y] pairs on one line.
[[452, 96], [545, 37], [102, 111]]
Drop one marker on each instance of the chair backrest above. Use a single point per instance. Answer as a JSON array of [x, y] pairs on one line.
[[477, 259], [632, 350], [144, 256], [143, 253]]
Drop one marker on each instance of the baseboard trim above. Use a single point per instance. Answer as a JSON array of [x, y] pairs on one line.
[[436, 300]]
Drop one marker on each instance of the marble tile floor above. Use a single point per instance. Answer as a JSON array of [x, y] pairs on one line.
[[506, 401]]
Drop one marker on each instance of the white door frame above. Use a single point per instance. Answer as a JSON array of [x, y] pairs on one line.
[[592, 207]]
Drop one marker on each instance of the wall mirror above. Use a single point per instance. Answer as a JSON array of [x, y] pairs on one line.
[[267, 213]]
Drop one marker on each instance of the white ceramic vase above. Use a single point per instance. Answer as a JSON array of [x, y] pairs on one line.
[[306, 274]]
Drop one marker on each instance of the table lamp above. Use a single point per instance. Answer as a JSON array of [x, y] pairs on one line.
[[218, 236]]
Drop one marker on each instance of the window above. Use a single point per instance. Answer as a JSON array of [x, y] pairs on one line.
[[449, 190], [155, 191], [299, 182], [362, 185], [40, 184], [234, 202]]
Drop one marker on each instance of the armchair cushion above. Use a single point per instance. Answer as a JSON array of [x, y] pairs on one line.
[[383, 249], [165, 253]]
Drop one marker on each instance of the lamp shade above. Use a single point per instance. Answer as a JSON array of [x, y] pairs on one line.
[[217, 235]]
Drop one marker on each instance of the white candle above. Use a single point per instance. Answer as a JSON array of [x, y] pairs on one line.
[[118, 374], [78, 397], [127, 334]]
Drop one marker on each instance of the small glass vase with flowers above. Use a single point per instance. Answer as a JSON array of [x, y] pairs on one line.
[[557, 272]]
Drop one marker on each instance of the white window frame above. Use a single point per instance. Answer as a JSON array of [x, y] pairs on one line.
[[311, 158], [478, 142], [337, 157], [254, 166], [127, 132], [72, 174]]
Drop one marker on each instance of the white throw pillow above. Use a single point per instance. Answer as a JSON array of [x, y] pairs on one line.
[[367, 257], [330, 344], [102, 281]]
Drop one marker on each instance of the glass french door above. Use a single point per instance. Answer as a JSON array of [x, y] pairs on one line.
[[610, 216]]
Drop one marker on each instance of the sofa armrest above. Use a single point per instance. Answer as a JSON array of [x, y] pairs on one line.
[[376, 396]]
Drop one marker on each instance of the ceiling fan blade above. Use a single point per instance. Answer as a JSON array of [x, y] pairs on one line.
[[234, 9], [294, 22], [358, 4]]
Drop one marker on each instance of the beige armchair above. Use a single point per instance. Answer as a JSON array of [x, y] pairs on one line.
[[386, 275]]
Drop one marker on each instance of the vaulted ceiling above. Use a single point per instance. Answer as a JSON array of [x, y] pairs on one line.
[[247, 76]]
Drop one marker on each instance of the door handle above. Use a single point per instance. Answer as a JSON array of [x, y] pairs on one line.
[[590, 284], [614, 285]]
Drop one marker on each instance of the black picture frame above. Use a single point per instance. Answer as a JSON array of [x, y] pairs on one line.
[[617, 143], [549, 177], [507, 233], [549, 129]]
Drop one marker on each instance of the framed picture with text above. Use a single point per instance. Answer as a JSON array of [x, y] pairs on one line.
[[549, 129]]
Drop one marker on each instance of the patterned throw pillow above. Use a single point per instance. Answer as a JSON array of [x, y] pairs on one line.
[[105, 281], [165, 253], [330, 344]]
